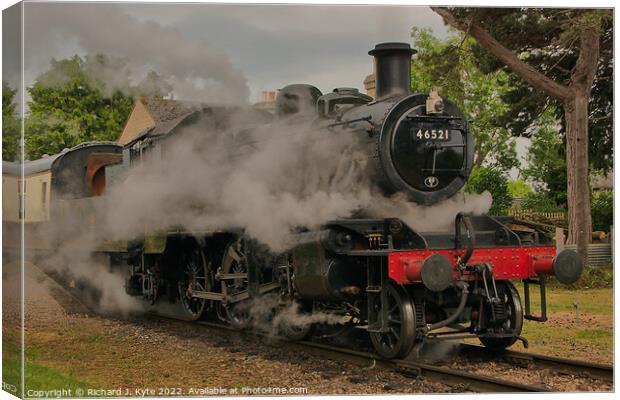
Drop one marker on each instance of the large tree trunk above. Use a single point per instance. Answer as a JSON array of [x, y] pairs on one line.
[[575, 98], [579, 218]]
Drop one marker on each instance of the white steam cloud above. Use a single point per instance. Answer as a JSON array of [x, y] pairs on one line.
[[196, 70], [267, 181]]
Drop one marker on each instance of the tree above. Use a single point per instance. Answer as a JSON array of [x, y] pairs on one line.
[[73, 103], [448, 66], [546, 161], [519, 189], [11, 129], [494, 181], [570, 36]]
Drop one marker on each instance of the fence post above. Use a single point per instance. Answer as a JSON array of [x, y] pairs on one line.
[[611, 243], [559, 240]]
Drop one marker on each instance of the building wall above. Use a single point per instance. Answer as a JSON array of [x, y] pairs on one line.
[[10, 198], [138, 121], [37, 197]]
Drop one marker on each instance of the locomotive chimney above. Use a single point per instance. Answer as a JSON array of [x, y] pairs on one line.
[[392, 68]]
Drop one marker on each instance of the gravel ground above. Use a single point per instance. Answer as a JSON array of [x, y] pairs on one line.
[[530, 374]]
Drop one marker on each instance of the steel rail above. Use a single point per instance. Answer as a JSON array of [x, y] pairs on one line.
[[593, 370]]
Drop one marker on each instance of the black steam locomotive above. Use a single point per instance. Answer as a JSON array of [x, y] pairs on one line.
[[378, 275]]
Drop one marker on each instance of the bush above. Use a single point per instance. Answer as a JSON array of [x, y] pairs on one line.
[[602, 210], [540, 202], [519, 189], [494, 181], [591, 278]]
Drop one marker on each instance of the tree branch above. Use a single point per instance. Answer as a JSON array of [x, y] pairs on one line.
[[508, 57], [587, 63]]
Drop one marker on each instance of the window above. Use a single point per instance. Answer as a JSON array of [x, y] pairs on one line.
[[44, 194]]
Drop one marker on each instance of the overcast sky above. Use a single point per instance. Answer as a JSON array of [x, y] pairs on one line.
[[268, 45]]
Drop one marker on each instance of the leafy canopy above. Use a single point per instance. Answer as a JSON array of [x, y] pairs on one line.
[[83, 99], [546, 161], [11, 129], [548, 40]]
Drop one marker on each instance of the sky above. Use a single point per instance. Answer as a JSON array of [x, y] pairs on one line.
[[269, 45]]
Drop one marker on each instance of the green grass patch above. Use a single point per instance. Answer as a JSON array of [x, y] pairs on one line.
[[563, 299], [38, 377], [593, 334], [12, 375]]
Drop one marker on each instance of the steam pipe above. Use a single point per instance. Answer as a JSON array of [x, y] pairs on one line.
[[470, 234], [464, 294]]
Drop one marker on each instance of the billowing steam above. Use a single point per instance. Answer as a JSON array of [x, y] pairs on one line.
[[195, 70], [268, 315], [268, 181]]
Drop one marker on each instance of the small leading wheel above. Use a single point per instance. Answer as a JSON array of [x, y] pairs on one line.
[[398, 339], [514, 320], [195, 278]]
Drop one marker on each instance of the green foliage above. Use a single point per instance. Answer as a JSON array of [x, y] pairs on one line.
[[494, 181], [72, 103], [11, 127], [546, 160], [602, 203], [548, 40], [448, 66], [591, 278], [541, 201], [519, 189]]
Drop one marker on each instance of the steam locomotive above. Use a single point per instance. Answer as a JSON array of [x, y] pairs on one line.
[[400, 285]]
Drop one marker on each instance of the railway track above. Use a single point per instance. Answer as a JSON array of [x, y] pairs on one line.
[[410, 369], [566, 365]]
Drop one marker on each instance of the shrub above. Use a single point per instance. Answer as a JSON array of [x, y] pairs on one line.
[[540, 202], [519, 189], [494, 181], [602, 210]]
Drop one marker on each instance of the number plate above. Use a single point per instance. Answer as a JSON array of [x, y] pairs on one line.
[[430, 134]]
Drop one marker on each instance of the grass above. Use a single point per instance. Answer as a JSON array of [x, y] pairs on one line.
[[590, 337], [37, 378], [562, 299]]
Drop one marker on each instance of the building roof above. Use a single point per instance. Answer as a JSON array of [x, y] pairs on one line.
[[30, 167], [163, 110]]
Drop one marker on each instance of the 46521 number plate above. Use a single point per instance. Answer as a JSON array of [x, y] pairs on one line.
[[430, 134]]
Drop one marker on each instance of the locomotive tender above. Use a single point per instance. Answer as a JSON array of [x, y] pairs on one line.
[[380, 275]]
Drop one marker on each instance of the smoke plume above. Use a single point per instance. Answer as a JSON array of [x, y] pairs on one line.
[[267, 181], [196, 70]]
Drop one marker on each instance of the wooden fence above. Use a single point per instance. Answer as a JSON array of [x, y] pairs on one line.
[[557, 218]]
